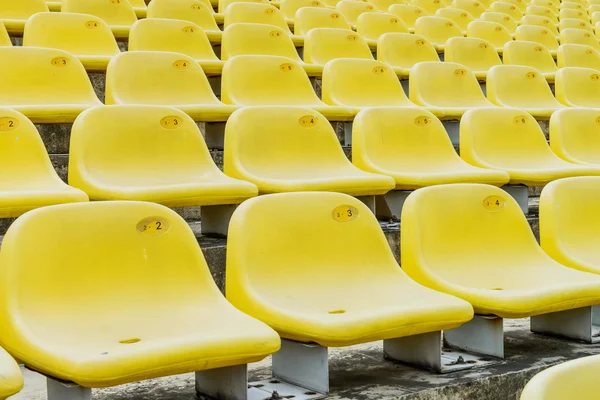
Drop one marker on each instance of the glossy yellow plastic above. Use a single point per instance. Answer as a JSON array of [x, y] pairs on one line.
[[579, 36], [461, 17], [324, 44], [530, 54], [289, 7], [570, 13], [578, 87], [594, 12], [578, 55], [14, 13], [407, 13], [259, 39], [363, 83], [11, 381], [473, 7], [351, 9], [501, 18], [571, 5], [575, 135], [348, 254], [521, 87], [573, 23], [140, 8], [257, 13], [285, 133], [223, 4], [119, 15], [87, 37], [431, 6], [384, 5], [454, 241], [437, 30], [511, 140], [412, 146], [372, 25], [538, 34], [308, 18], [194, 11], [564, 380], [545, 3], [537, 20], [402, 51], [273, 81], [492, 32], [47, 85], [162, 78], [541, 11], [178, 36], [148, 153], [155, 279], [4, 38], [507, 8], [449, 86], [476, 54], [522, 4]]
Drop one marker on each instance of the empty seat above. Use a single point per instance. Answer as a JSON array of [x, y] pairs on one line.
[[412, 146], [572, 23], [187, 10], [501, 18], [127, 250], [541, 11], [538, 20], [407, 13], [511, 140], [476, 54], [308, 18], [577, 14], [593, 9], [180, 173], [284, 133], [139, 6], [492, 32], [571, 5], [119, 15], [507, 8], [545, 3], [530, 54], [579, 36], [578, 87], [87, 37], [578, 55], [431, 6], [351, 9], [324, 44], [271, 81], [522, 4], [574, 135], [473, 7], [14, 13], [12, 379], [384, 5], [372, 25], [289, 7], [521, 87], [163, 78], [223, 4], [257, 13], [461, 17], [449, 86], [244, 38], [538, 34], [437, 30], [402, 51]]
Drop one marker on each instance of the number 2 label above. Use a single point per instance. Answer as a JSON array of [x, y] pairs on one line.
[[153, 226]]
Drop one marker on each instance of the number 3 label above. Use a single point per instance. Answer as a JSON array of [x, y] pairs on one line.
[[344, 213], [153, 226]]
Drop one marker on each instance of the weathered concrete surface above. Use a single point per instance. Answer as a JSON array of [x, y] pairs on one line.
[[98, 83]]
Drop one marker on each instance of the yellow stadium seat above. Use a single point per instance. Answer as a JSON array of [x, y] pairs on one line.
[[127, 250], [454, 243], [431, 6], [574, 135], [282, 132], [119, 15], [541, 11], [572, 23], [538, 20], [578, 55], [521, 87], [579, 36], [4, 38], [54, 5], [571, 5], [522, 4], [12, 379], [402, 51], [140, 8], [223, 4], [594, 8], [372, 25], [384, 5], [501, 18], [87, 37], [530, 54], [271, 81], [437, 30], [289, 7], [178, 36], [109, 159], [538, 34], [187, 10], [461, 17], [47, 85], [412, 146], [574, 87], [351, 9], [449, 86], [163, 78], [507, 8], [308, 18], [324, 44], [510, 139], [570, 13], [408, 14], [476, 54], [492, 32], [30, 180], [473, 7], [557, 382], [545, 3], [258, 13], [14, 13]]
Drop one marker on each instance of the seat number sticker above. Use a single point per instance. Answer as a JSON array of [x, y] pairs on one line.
[[153, 226], [344, 213], [8, 124], [308, 121], [494, 203], [60, 61], [170, 122]]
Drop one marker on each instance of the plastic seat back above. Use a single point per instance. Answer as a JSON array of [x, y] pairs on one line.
[[372, 25], [308, 18], [501, 18], [538, 34], [473, 7], [570, 13], [256, 13], [404, 50], [573, 23], [578, 55], [351, 9], [431, 6], [266, 80], [575, 135], [460, 17], [571, 5], [593, 9], [541, 11], [242, 38], [507, 8], [21, 9], [78, 34], [407, 13], [223, 4], [362, 83], [289, 7], [475, 54], [492, 32], [324, 44], [530, 54], [153, 77], [538, 20], [186, 10], [112, 12], [518, 86], [545, 3], [437, 29], [578, 87], [384, 5], [579, 36]]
